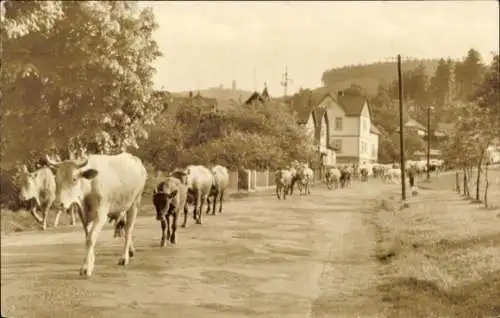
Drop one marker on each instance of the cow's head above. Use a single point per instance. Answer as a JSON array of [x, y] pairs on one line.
[[27, 183], [163, 196], [180, 174], [69, 175]]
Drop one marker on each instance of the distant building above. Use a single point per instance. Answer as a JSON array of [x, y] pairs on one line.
[[343, 121], [233, 85]]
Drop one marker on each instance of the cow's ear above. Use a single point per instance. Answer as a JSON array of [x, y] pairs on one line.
[[89, 173], [172, 194]]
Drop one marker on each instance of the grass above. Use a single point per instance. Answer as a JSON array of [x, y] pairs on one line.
[[440, 257]]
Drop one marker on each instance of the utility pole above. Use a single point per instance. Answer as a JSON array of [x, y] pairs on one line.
[[284, 82], [428, 142], [401, 133]]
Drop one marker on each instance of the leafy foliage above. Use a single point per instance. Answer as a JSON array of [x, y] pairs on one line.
[[258, 136], [75, 69]]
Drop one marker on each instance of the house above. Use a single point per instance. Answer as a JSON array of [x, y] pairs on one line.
[[343, 124], [493, 152], [350, 132]]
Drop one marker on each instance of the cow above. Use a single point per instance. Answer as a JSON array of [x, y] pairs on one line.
[[305, 177], [295, 178], [364, 174], [345, 177], [199, 180], [283, 180], [169, 199], [103, 186], [332, 177], [391, 174], [38, 192], [219, 185]]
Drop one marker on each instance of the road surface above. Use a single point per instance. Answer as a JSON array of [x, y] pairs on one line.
[[308, 256]]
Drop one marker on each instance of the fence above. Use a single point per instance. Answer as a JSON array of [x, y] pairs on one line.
[[252, 180]]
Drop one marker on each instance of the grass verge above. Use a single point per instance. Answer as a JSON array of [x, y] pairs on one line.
[[440, 257]]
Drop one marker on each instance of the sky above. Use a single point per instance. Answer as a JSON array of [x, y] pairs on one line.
[[207, 44]]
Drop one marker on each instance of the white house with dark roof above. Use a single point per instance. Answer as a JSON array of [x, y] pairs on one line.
[[352, 132], [343, 125]]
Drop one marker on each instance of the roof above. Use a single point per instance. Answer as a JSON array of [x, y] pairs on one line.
[[412, 123], [352, 105], [374, 130], [253, 97]]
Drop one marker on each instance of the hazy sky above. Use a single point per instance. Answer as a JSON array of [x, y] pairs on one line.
[[210, 43]]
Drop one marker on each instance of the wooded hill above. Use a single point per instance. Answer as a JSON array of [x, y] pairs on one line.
[[369, 76]]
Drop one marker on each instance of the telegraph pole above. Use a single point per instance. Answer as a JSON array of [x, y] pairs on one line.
[[428, 142], [284, 82], [401, 133]]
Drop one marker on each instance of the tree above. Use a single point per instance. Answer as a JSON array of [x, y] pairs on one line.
[[254, 137], [440, 85], [468, 74], [75, 69]]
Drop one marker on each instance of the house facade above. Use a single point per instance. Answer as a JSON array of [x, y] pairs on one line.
[[352, 133]]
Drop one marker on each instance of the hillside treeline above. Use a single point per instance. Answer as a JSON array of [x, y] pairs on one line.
[[444, 85]]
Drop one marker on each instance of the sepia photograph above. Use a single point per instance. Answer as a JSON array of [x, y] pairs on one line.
[[267, 159]]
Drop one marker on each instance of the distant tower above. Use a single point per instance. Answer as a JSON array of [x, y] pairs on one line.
[[265, 92], [233, 85]]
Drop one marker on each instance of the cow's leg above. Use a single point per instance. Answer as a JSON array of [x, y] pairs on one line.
[[197, 199], [174, 226], [129, 227], [94, 229], [215, 197], [278, 190], [185, 216], [203, 198], [46, 209], [164, 225], [207, 212], [221, 199], [72, 215], [58, 215]]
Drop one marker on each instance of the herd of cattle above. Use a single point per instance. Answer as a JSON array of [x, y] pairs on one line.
[[107, 188]]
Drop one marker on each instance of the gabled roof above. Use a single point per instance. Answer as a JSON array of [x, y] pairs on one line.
[[412, 123], [352, 105], [255, 96]]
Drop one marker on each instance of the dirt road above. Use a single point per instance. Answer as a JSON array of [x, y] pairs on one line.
[[303, 257]]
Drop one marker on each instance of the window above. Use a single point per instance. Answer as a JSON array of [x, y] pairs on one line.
[[374, 151], [337, 145], [338, 123], [364, 147]]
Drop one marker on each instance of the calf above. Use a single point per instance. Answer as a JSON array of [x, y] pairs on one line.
[[169, 199]]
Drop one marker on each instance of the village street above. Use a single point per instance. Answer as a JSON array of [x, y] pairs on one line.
[[308, 256]]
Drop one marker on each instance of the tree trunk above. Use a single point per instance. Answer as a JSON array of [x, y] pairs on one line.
[[466, 183], [486, 186], [457, 182], [478, 178]]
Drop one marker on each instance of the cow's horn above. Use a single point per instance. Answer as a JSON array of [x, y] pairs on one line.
[[82, 162], [50, 161]]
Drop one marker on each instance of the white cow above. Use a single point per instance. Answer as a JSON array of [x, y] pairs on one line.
[[38, 190], [102, 186], [392, 174]]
